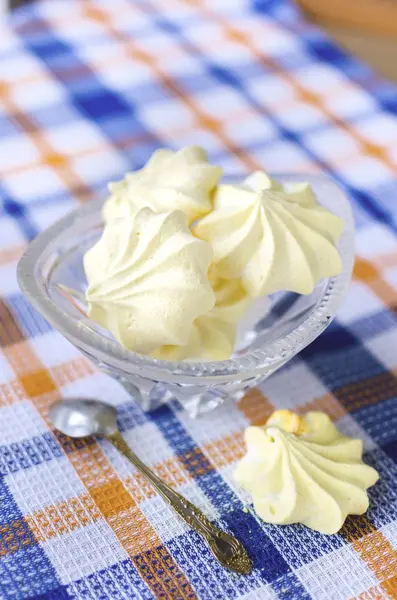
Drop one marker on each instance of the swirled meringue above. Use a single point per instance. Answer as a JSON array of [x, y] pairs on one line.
[[213, 334], [148, 280], [302, 470], [274, 238], [182, 180]]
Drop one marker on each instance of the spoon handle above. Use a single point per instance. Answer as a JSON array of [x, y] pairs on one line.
[[226, 548]]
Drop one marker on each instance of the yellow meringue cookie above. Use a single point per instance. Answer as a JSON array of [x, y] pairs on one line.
[[287, 420], [213, 334], [315, 476], [273, 238], [259, 180], [182, 180], [148, 280]]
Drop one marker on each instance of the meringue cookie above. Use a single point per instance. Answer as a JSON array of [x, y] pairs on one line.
[[259, 180], [302, 470], [169, 181], [273, 238], [148, 280], [213, 334]]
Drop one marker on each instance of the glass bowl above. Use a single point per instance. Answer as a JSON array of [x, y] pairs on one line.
[[51, 275]]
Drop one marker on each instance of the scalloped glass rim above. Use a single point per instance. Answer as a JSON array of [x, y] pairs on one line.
[[249, 364]]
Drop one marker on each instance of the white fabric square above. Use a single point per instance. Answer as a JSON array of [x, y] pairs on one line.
[[53, 349], [291, 156], [359, 302], [11, 42], [350, 102], [341, 574], [379, 128], [98, 386], [11, 234], [74, 138], [384, 346], [390, 275], [392, 153], [349, 426], [332, 144], [31, 184], [84, 551], [225, 420], [321, 79], [165, 55], [225, 51], [123, 74], [177, 63], [18, 151], [8, 281], [250, 130], [390, 531], [38, 94], [108, 49], [19, 66], [80, 31], [203, 33], [173, 115], [179, 11], [155, 42], [274, 41], [234, 165], [45, 484], [272, 91], [374, 240], [44, 215], [366, 171], [19, 421], [100, 166], [243, 495], [221, 103], [282, 394], [147, 442], [132, 22], [265, 592], [6, 372], [301, 116], [165, 522], [198, 137], [64, 11]]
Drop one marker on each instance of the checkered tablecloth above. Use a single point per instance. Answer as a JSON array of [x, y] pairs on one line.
[[89, 90]]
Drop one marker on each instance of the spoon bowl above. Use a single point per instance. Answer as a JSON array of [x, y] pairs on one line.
[[81, 417]]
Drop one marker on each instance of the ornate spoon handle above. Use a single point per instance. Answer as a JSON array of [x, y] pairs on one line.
[[226, 548]]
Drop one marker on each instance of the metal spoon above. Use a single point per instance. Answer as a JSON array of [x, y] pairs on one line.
[[82, 417]]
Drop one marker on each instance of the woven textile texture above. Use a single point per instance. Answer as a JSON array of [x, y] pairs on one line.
[[88, 90]]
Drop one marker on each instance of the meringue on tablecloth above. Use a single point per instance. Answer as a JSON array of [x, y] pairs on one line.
[[302, 470], [148, 280], [272, 237], [182, 180]]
